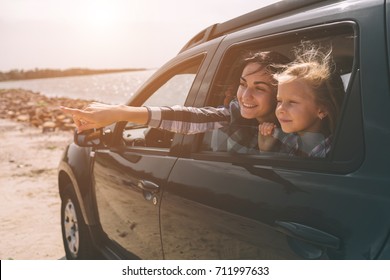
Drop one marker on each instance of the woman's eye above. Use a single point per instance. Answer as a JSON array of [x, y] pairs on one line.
[[260, 89]]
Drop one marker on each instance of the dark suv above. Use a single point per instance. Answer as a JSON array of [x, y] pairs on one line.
[[130, 191]]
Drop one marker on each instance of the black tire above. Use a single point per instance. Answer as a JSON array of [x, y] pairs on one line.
[[75, 235]]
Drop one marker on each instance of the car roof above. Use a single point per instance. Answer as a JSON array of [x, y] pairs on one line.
[[250, 19]]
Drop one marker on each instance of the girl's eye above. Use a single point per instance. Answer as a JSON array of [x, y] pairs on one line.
[[286, 102], [243, 85]]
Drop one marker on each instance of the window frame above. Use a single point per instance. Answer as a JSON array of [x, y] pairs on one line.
[[339, 161], [152, 86]]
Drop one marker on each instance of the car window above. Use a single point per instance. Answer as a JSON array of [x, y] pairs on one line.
[[240, 135], [173, 89]]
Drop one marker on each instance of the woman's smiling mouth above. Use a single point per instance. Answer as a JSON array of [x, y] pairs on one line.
[[248, 106]]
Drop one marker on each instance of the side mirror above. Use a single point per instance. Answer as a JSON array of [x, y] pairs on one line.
[[89, 138], [96, 138]]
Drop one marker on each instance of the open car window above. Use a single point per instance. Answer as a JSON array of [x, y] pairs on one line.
[[240, 137], [172, 89]]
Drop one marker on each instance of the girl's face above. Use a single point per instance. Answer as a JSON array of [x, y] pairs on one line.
[[256, 94], [297, 109]]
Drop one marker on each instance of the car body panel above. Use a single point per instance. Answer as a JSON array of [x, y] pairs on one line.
[[129, 210], [75, 166], [262, 197]]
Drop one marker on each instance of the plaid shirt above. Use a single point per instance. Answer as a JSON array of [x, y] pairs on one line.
[[291, 145], [241, 133]]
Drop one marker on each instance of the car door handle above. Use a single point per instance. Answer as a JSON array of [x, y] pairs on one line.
[[148, 189], [309, 234], [143, 185], [148, 186]]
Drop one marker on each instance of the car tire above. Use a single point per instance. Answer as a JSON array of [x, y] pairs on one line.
[[75, 235]]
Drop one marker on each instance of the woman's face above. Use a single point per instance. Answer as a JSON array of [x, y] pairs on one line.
[[297, 109], [256, 94]]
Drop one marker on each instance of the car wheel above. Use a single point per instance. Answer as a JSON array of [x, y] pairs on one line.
[[77, 242]]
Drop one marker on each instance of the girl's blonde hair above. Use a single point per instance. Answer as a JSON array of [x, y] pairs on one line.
[[315, 66]]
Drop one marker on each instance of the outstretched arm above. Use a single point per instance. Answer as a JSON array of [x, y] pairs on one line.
[[97, 115], [178, 119]]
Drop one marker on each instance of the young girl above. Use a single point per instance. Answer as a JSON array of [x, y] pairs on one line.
[[309, 98]]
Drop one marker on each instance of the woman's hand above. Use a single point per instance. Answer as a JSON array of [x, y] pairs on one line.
[[95, 115]]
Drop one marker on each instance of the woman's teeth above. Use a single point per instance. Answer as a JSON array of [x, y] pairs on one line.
[[248, 105]]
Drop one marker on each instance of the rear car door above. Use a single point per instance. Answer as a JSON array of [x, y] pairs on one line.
[[219, 205]]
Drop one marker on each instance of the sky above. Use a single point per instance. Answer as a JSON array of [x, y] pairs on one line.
[[105, 34]]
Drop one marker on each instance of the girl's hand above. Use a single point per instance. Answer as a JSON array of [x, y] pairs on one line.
[[265, 139], [266, 129]]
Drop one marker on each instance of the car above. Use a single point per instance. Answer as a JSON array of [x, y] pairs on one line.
[[133, 192]]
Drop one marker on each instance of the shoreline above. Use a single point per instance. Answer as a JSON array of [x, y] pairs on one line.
[[22, 75]]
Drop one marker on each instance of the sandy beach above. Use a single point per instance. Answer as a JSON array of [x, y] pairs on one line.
[[29, 201], [33, 136]]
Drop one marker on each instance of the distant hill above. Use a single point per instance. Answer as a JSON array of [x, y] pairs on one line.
[[53, 73]]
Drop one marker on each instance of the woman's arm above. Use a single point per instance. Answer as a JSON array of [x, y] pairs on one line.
[[97, 115], [179, 119]]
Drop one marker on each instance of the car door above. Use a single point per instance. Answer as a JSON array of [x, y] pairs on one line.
[[129, 177], [219, 205]]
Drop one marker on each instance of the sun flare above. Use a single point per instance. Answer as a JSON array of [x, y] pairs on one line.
[[101, 14]]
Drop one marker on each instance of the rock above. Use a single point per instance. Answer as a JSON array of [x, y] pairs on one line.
[[10, 114], [68, 126], [60, 117], [36, 122], [23, 118], [37, 109], [48, 126]]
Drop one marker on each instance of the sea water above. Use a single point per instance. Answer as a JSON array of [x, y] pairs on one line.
[[113, 88]]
